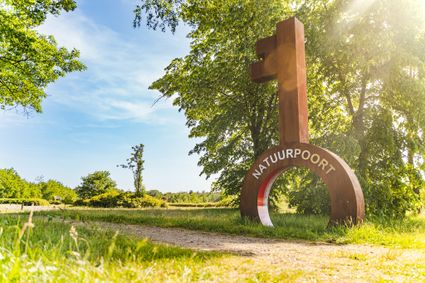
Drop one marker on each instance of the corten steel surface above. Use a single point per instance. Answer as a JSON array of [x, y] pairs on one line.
[[283, 58]]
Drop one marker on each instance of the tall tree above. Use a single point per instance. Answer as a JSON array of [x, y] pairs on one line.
[[372, 61], [29, 61], [366, 87], [94, 184], [135, 164], [14, 186]]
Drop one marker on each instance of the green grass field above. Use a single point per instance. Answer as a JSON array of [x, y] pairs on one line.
[[47, 251], [406, 233], [44, 249]]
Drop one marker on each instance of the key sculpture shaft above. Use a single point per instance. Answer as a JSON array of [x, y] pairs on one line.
[[283, 58]]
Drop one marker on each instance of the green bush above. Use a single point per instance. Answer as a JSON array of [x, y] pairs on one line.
[[55, 192], [228, 201], [24, 201], [186, 204], [302, 190], [81, 202], [132, 201], [116, 199], [225, 202], [108, 199], [189, 197]]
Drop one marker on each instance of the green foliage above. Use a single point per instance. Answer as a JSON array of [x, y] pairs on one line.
[[13, 186], [192, 197], [127, 200], [154, 193], [29, 61], [366, 89], [135, 164], [382, 91], [135, 201], [24, 201], [108, 199], [166, 14], [94, 184], [189, 204], [302, 190], [55, 191]]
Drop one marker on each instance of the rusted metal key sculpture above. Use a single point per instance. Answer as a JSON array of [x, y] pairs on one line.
[[283, 58]]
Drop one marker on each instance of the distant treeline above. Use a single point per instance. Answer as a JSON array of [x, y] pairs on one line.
[[187, 197], [12, 186], [96, 189]]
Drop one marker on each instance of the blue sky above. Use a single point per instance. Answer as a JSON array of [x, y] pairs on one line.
[[91, 119]]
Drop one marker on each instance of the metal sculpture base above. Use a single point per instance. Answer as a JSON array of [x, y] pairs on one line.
[[347, 202]]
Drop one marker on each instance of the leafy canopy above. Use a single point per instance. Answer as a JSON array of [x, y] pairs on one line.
[[53, 190], [30, 61], [366, 89], [13, 186], [96, 183]]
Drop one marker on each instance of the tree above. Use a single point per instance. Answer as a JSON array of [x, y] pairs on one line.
[[52, 190], [154, 193], [366, 88], [135, 164], [13, 186], [373, 63], [94, 184], [30, 61]]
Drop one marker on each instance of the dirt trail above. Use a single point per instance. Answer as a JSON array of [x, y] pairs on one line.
[[341, 263]]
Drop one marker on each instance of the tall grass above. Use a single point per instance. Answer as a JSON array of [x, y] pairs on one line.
[[39, 250], [46, 249]]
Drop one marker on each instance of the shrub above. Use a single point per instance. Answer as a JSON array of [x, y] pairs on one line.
[[56, 192], [190, 197], [127, 199], [81, 202], [188, 204], [108, 199], [131, 201], [229, 201], [24, 201], [302, 190], [225, 202]]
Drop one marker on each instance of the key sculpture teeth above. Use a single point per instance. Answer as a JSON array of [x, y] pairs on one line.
[[283, 58]]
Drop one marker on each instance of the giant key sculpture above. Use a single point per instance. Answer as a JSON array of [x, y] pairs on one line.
[[283, 58]]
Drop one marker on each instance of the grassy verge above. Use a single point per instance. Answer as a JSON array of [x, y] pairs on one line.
[[49, 251], [407, 233]]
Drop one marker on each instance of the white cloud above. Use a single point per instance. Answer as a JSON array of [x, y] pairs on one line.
[[120, 70], [77, 31], [16, 117]]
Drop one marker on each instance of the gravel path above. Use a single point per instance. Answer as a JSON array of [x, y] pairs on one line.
[[328, 262], [18, 208]]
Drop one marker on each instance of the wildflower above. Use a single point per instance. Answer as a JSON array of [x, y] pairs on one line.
[[73, 233]]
